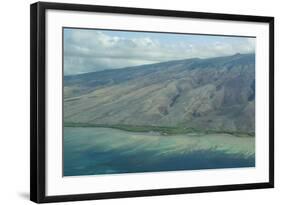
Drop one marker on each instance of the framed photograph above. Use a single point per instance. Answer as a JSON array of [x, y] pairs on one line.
[[129, 102]]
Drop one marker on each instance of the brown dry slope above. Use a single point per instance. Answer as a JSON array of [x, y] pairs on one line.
[[211, 94]]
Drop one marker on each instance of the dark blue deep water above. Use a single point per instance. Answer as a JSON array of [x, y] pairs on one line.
[[91, 151]]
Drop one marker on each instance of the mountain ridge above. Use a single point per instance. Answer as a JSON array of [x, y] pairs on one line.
[[214, 93], [164, 62]]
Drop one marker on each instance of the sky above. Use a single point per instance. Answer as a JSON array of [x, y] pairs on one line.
[[91, 50]]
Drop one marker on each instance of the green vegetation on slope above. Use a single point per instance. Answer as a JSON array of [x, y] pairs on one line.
[[163, 130]]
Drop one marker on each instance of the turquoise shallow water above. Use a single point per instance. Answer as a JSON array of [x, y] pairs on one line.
[[91, 151]]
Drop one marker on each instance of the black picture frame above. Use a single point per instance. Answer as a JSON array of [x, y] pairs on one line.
[[38, 101]]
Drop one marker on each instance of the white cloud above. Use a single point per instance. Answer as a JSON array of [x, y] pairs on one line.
[[91, 50]]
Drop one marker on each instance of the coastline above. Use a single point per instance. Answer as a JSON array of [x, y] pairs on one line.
[[162, 130], [116, 151]]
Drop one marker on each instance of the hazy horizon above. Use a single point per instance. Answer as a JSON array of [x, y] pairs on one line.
[[153, 63], [91, 50]]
